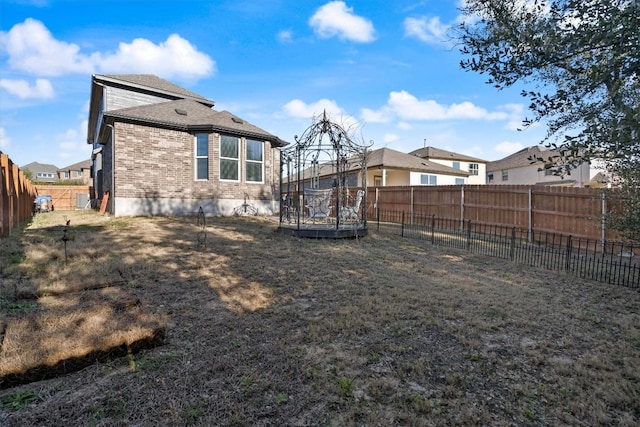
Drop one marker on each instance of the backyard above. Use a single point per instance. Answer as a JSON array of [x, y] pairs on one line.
[[161, 321]]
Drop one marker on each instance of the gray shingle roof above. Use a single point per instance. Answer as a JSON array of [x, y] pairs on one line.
[[40, 167], [191, 115], [85, 164], [438, 153], [386, 157], [153, 83], [519, 159]]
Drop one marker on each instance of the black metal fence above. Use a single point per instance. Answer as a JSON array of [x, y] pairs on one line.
[[609, 262]]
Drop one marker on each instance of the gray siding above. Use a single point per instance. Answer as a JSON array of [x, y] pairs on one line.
[[117, 98]]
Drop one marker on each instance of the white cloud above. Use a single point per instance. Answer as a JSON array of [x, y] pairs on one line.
[[406, 107], [5, 141], [299, 109], [285, 36], [335, 19], [390, 137], [405, 126], [72, 143], [175, 57], [380, 116], [23, 90], [428, 30], [506, 147], [32, 48]]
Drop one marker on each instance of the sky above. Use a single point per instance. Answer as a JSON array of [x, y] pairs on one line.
[[389, 69]]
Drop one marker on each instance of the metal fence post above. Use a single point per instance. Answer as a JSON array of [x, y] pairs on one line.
[[512, 249], [433, 228], [468, 234], [567, 259], [402, 227]]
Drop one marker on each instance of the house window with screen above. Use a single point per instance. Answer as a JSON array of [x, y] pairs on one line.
[[79, 174], [229, 158], [505, 175], [459, 181], [456, 165], [254, 161], [490, 177], [474, 169], [202, 156], [66, 174], [428, 179]]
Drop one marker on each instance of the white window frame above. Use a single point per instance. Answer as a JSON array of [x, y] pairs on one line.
[[505, 175], [459, 181], [431, 179], [474, 169], [199, 157], [236, 159], [253, 162]]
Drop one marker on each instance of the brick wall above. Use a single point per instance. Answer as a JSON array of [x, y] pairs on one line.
[[159, 163]]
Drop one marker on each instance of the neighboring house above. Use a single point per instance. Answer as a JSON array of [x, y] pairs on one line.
[[519, 169], [387, 167], [77, 172], [476, 167], [161, 149], [42, 172]]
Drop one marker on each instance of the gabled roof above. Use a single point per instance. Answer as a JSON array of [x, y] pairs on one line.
[[151, 83], [392, 159], [40, 167], [440, 154], [189, 115], [519, 159], [85, 164]]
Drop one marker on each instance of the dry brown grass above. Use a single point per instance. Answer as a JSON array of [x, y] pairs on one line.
[[266, 329]]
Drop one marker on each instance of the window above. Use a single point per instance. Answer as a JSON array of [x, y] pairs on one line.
[[428, 179], [490, 177], [202, 156], [456, 165], [459, 181], [474, 169], [79, 174], [229, 158], [505, 175], [44, 175], [66, 174], [377, 181], [254, 161]]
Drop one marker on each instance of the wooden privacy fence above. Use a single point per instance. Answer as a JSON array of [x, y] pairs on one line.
[[579, 212], [17, 194], [66, 197]]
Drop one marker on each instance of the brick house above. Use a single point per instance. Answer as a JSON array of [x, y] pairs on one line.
[[77, 173], [159, 149]]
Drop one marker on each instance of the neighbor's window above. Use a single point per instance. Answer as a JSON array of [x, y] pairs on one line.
[[428, 179], [459, 181], [79, 173], [490, 177], [474, 169], [456, 165], [229, 158], [44, 175], [202, 156], [66, 174], [505, 175], [254, 161]]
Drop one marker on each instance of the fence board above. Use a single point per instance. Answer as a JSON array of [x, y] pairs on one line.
[[64, 196], [16, 195], [565, 210]]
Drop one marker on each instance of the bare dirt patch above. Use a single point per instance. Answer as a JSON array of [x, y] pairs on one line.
[[266, 329]]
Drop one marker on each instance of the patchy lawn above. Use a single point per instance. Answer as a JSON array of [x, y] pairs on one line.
[[142, 325]]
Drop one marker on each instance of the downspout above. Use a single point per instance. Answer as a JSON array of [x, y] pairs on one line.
[[112, 201]]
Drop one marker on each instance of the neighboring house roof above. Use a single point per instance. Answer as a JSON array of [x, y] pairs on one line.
[[151, 83], [388, 158], [519, 159], [35, 168], [438, 153], [40, 167], [85, 164], [190, 115]]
